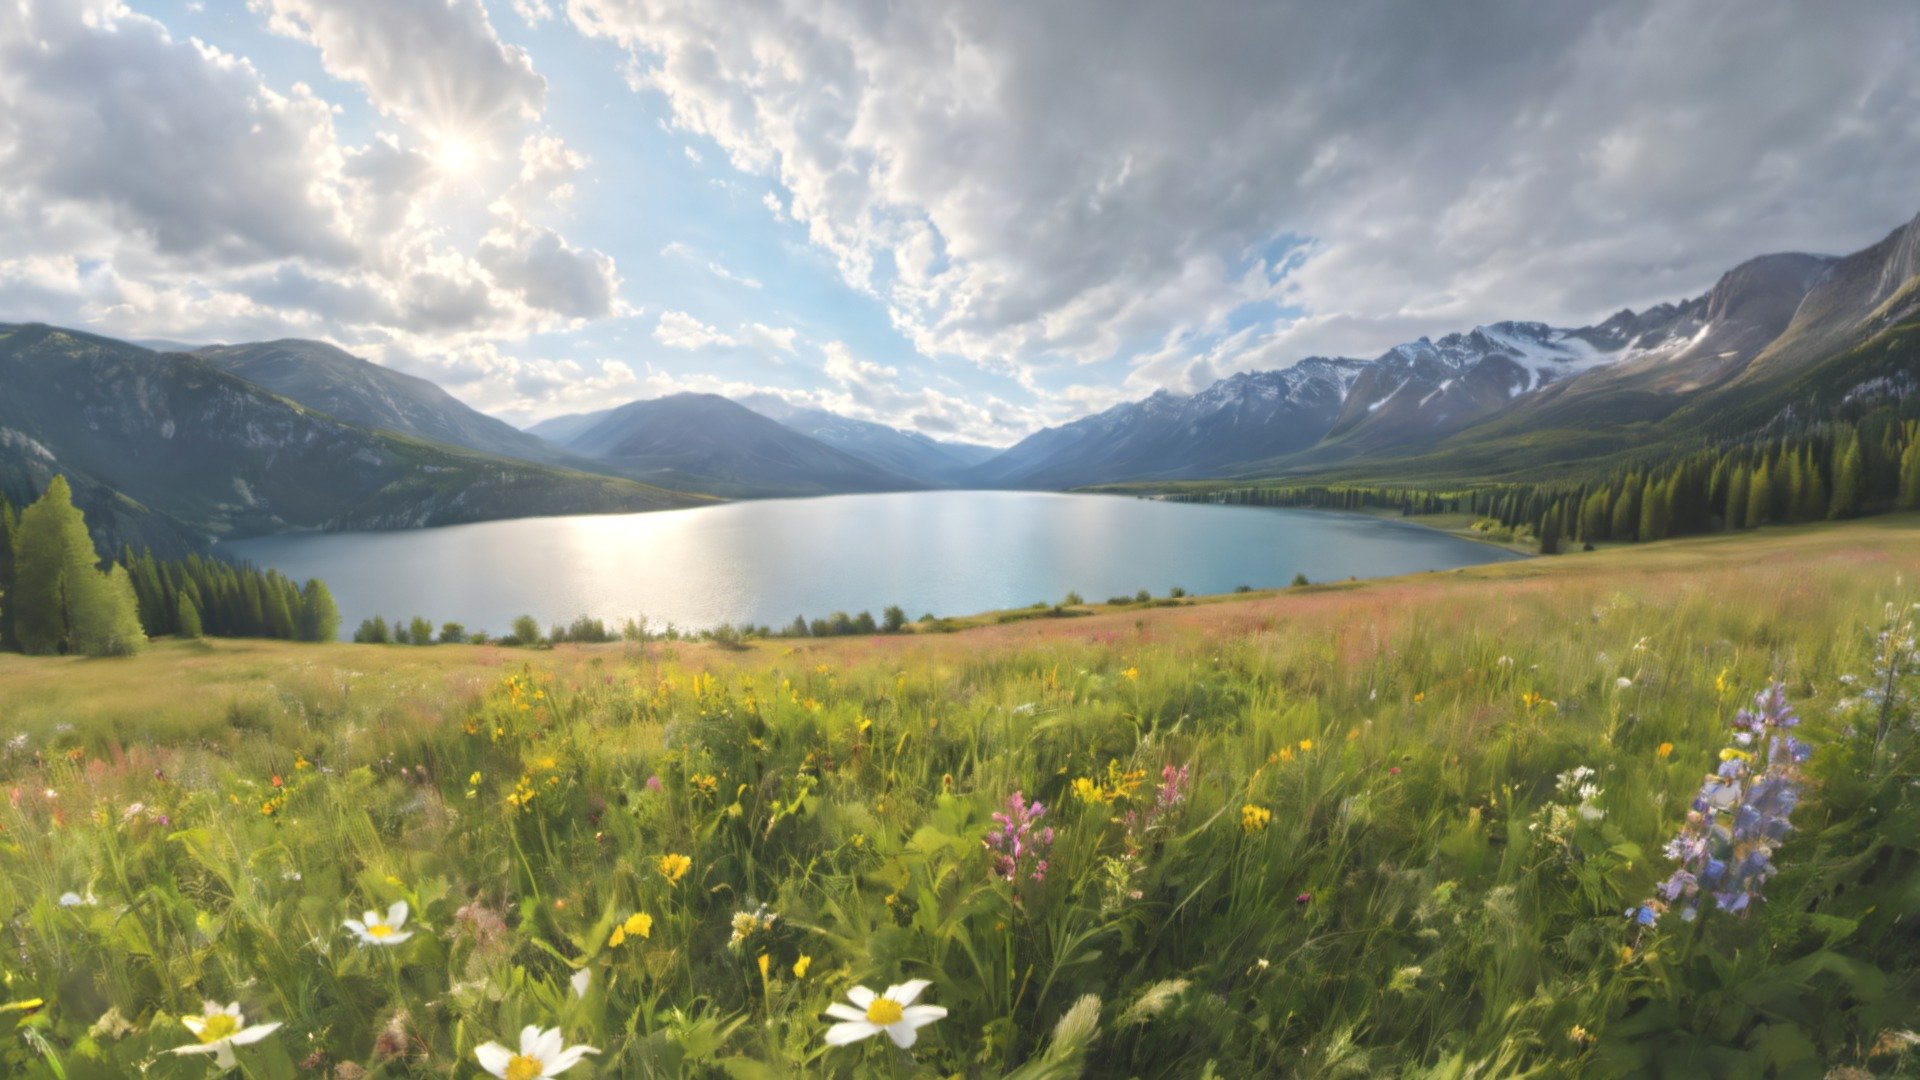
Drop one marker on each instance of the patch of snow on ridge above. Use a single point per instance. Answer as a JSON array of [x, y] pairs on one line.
[[1546, 353]]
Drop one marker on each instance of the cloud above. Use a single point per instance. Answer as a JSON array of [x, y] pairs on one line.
[[172, 148], [1031, 184], [436, 65], [679, 330], [549, 273]]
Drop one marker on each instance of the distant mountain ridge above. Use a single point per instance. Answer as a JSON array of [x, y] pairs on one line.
[[180, 451], [913, 455], [710, 443]]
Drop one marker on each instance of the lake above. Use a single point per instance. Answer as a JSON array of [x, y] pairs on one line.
[[944, 552]]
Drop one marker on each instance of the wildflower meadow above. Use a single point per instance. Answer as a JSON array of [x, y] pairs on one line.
[[1619, 819]]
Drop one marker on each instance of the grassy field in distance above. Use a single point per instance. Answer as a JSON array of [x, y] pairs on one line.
[[1321, 831]]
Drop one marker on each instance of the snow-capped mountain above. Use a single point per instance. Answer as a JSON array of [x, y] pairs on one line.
[[1491, 386], [1245, 417]]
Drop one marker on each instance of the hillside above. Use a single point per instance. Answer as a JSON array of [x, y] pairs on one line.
[[194, 450], [1347, 806], [705, 442], [328, 379]]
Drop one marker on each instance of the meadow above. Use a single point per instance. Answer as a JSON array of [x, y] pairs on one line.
[[1396, 828]]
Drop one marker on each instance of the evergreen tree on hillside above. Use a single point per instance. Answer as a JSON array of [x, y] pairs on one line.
[[319, 616], [1626, 509], [1760, 496], [1849, 481], [113, 628], [1739, 485], [276, 619], [57, 572], [9, 527], [186, 617], [1909, 480], [1550, 534]]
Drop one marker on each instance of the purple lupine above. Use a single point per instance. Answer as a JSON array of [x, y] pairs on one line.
[[1019, 849], [1741, 815]]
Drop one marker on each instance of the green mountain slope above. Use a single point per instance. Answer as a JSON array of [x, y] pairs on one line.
[[200, 452], [333, 381]]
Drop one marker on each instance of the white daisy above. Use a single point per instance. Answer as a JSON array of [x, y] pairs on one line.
[[892, 1012], [542, 1054], [581, 979], [220, 1030], [372, 929]]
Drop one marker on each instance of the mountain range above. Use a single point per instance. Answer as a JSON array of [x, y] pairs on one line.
[[171, 451], [1776, 337], [175, 444]]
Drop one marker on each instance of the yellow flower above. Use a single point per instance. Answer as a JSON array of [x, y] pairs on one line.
[[637, 925], [1285, 754], [1666, 750], [763, 967], [1132, 674], [674, 867], [801, 965], [1419, 697], [300, 762], [1306, 746], [1253, 818]]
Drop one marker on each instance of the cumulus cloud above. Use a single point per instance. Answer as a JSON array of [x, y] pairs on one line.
[[1029, 183], [172, 148], [437, 66], [549, 273], [679, 330]]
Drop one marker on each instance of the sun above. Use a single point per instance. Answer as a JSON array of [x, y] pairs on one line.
[[455, 156]]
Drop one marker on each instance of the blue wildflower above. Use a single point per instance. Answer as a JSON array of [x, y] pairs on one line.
[[1741, 814]]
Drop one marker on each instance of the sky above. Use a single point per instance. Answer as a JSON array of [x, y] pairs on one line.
[[969, 218]]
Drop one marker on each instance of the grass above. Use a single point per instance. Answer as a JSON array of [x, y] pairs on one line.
[[1307, 832]]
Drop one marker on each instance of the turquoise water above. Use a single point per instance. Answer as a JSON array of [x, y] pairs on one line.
[[945, 552]]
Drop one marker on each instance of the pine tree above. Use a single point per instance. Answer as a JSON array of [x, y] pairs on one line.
[[1653, 502], [112, 627], [1759, 496], [187, 617], [1550, 534], [1813, 505], [1739, 484], [1849, 481], [319, 617], [1910, 476], [1626, 509], [9, 528], [59, 582], [276, 620]]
